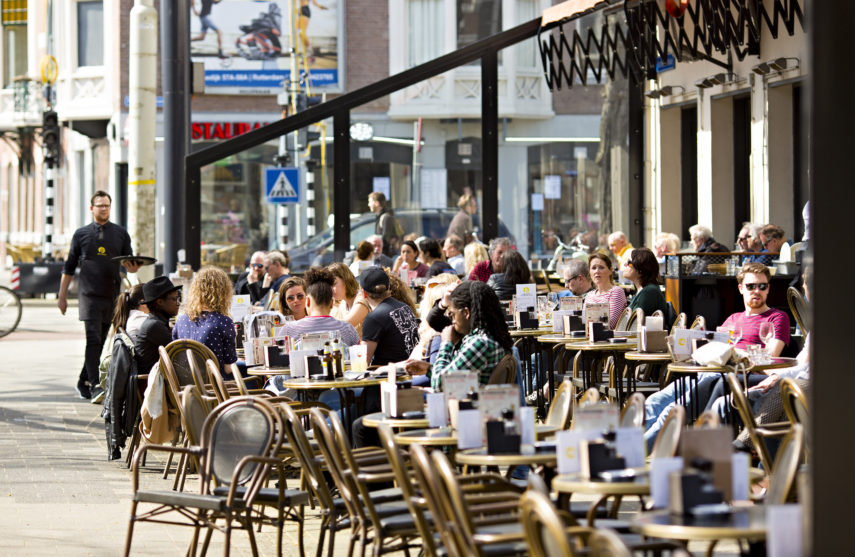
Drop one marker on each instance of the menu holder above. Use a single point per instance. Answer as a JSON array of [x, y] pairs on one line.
[[526, 318], [598, 331], [660, 483], [596, 417], [240, 307], [568, 443], [469, 429], [571, 303], [527, 429], [629, 442], [298, 362], [714, 445], [683, 348], [396, 401], [437, 410], [596, 313]]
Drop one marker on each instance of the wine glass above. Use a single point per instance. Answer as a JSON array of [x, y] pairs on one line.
[[767, 334], [735, 334]]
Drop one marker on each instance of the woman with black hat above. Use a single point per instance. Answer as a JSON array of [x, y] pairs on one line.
[[163, 300]]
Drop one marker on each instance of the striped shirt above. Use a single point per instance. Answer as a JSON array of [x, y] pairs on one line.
[[616, 300], [751, 326], [477, 352], [321, 324]]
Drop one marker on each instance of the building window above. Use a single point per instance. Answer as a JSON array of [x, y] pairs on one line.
[[14, 12], [90, 33], [477, 19], [426, 31]]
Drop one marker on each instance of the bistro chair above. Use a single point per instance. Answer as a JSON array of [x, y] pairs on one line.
[[635, 317], [561, 409], [505, 372], [546, 534], [794, 401], [787, 461], [238, 442], [187, 355], [798, 307], [194, 412], [623, 320], [632, 414], [591, 396], [479, 523], [700, 323], [756, 432], [668, 439], [172, 387], [708, 420], [680, 322], [391, 521], [607, 543]]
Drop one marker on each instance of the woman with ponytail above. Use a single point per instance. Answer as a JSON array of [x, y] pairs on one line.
[[129, 312], [478, 336]]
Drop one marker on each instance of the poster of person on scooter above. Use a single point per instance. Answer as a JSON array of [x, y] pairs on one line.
[[245, 45]]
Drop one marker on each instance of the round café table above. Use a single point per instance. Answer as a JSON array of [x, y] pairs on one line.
[[591, 351], [742, 524], [526, 341], [377, 418], [445, 436], [691, 370], [480, 457], [634, 358], [576, 483]]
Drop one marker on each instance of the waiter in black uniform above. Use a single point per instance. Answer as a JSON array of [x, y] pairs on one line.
[[93, 248]]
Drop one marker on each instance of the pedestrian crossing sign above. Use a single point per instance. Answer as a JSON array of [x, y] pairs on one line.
[[282, 185]]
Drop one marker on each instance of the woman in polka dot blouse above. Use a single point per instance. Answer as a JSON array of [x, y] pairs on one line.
[[205, 318]]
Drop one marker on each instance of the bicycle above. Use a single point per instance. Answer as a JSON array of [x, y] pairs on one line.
[[574, 250], [11, 309]]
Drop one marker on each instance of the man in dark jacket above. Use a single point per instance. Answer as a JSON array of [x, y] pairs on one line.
[[387, 226], [704, 242], [163, 301]]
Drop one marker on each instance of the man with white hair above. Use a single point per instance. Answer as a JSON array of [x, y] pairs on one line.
[[749, 240], [621, 247], [380, 259], [704, 242]]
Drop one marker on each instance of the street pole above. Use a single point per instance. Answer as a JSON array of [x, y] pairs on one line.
[[174, 37], [142, 114]]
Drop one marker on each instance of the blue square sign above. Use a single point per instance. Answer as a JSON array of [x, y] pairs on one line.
[[282, 185]]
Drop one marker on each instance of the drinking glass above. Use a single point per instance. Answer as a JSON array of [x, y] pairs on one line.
[[735, 334], [767, 334]]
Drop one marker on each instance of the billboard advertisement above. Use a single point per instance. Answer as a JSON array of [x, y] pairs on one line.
[[245, 45]]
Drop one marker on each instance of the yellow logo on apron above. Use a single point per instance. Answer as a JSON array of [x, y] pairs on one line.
[[102, 250]]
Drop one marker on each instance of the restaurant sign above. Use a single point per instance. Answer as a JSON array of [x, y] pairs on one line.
[[207, 131]]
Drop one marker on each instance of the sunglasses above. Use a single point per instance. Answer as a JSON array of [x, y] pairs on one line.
[[294, 297], [762, 286], [257, 265]]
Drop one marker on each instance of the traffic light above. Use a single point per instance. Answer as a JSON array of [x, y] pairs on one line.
[[50, 137]]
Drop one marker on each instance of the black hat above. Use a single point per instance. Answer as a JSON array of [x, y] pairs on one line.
[[372, 277], [157, 287]]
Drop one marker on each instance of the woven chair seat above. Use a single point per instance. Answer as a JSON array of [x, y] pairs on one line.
[[292, 497], [180, 498]]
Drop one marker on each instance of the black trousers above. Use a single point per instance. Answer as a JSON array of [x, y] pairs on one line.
[[96, 334]]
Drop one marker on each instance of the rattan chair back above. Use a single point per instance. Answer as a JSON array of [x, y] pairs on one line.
[[700, 323], [544, 530], [432, 490], [607, 543], [668, 439], [215, 378], [623, 320], [186, 356], [632, 414], [635, 317], [798, 306], [591, 396], [743, 407], [561, 408], [708, 420], [505, 372], [795, 402], [787, 461]]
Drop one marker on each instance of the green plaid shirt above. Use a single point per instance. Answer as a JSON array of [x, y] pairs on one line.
[[476, 352]]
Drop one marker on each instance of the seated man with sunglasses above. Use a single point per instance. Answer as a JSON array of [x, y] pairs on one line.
[[253, 275], [753, 284]]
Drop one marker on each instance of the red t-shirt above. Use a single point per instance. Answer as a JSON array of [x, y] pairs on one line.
[[751, 326]]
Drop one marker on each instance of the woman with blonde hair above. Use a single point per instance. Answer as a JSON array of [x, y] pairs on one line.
[[435, 289], [474, 253], [401, 291], [206, 315], [350, 303]]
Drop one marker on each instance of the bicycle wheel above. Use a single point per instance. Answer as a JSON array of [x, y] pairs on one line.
[[10, 311]]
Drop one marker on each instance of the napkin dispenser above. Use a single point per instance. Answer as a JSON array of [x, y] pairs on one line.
[[395, 401], [652, 341], [596, 457], [275, 357], [692, 488], [503, 437], [526, 318], [573, 322], [598, 331]]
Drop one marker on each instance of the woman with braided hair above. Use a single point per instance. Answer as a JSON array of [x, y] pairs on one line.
[[477, 338]]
